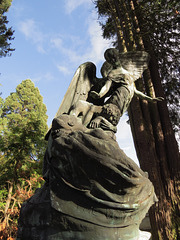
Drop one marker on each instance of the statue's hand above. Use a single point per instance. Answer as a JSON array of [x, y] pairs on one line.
[[94, 94], [95, 123], [157, 99]]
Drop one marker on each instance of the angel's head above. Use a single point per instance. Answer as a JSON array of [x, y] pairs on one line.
[[112, 56]]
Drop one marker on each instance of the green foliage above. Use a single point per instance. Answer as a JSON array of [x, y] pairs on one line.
[[4, 5], [23, 128], [6, 34], [23, 125], [3, 197], [106, 18]]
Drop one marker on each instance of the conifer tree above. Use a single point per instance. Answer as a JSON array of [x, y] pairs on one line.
[[22, 144], [6, 34]]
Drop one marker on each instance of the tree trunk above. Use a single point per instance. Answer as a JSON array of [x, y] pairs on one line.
[[153, 136], [8, 201], [171, 146]]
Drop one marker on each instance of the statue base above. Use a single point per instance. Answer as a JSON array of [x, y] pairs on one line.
[[38, 220], [93, 191]]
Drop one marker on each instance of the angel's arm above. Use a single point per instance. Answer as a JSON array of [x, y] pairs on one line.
[[145, 97], [103, 90]]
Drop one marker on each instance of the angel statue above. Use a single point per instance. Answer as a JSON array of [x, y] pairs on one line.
[[92, 189], [87, 94]]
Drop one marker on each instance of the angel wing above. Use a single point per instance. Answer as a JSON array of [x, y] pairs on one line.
[[134, 62], [79, 87]]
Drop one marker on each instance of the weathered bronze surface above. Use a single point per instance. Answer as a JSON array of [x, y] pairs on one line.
[[93, 191]]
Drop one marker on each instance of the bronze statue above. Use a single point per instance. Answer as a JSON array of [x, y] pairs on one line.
[[92, 190], [119, 72]]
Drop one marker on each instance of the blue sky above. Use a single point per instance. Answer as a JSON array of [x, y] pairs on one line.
[[52, 38]]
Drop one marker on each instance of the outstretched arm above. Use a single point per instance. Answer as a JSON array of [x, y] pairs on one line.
[[145, 97], [103, 90]]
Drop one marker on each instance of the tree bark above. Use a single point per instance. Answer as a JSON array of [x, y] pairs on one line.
[[8, 201], [154, 139]]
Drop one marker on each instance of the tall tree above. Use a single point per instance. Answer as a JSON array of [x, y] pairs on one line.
[[22, 144], [160, 32], [132, 25], [6, 34], [160, 24]]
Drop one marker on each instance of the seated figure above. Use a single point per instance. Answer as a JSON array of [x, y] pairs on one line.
[[92, 189]]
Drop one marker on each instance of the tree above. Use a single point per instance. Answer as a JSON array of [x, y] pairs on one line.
[[5, 4], [6, 34], [140, 25], [160, 32], [22, 146], [160, 25]]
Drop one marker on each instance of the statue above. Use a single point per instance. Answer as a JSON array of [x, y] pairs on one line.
[[119, 72], [92, 189]]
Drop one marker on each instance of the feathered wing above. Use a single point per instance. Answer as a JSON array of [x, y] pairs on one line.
[[135, 63], [79, 87]]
